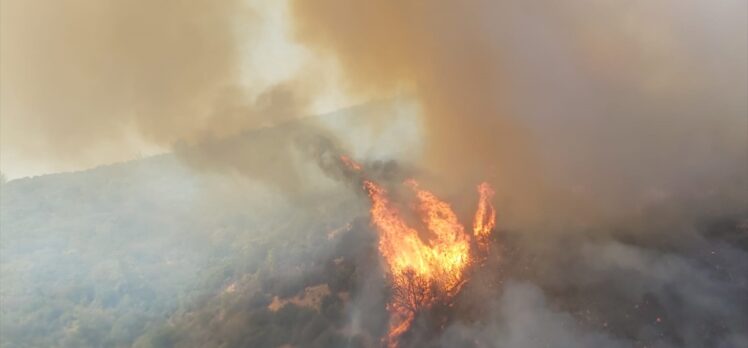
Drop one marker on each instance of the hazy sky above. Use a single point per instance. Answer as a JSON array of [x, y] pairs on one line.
[[587, 89], [264, 55]]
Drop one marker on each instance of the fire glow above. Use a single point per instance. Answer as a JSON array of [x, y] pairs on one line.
[[423, 273]]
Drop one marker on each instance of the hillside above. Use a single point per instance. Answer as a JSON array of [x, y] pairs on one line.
[[219, 246], [101, 257]]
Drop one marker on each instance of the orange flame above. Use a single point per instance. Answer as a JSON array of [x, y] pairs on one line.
[[424, 273], [485, 216], [351, 164]]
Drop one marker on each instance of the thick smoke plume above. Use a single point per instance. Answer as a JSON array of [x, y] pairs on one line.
[[614, 133], [617, 102], [100, 81]]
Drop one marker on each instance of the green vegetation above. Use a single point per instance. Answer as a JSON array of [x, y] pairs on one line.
[[150, 254]]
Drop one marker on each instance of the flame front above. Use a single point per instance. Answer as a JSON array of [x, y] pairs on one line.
[[422, 273]]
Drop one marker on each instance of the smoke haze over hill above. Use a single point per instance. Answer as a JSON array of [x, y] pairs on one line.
[[615, 135]]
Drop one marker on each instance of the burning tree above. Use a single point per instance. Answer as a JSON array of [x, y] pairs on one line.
[[423, 273]]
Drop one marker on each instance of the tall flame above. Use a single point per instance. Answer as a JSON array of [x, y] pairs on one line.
[[423, 273], [485, 216]]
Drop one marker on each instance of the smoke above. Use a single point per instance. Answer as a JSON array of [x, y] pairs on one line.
[[86, 82], [613, 132], [609, 293], [95, 82], [557, 104], [595, 105], [523, 318]]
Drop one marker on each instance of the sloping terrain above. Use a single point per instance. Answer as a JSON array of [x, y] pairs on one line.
[[102, 257]]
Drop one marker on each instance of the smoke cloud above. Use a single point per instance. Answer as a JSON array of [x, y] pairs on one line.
[[91, 82], [614, 134], [612, 104]]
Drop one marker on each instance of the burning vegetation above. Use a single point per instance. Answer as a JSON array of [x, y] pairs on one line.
[[423, 273], [379, 261], [261, 231]]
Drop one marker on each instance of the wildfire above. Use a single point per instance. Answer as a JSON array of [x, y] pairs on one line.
[[348, 162], [424, 272], [485, 216]]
